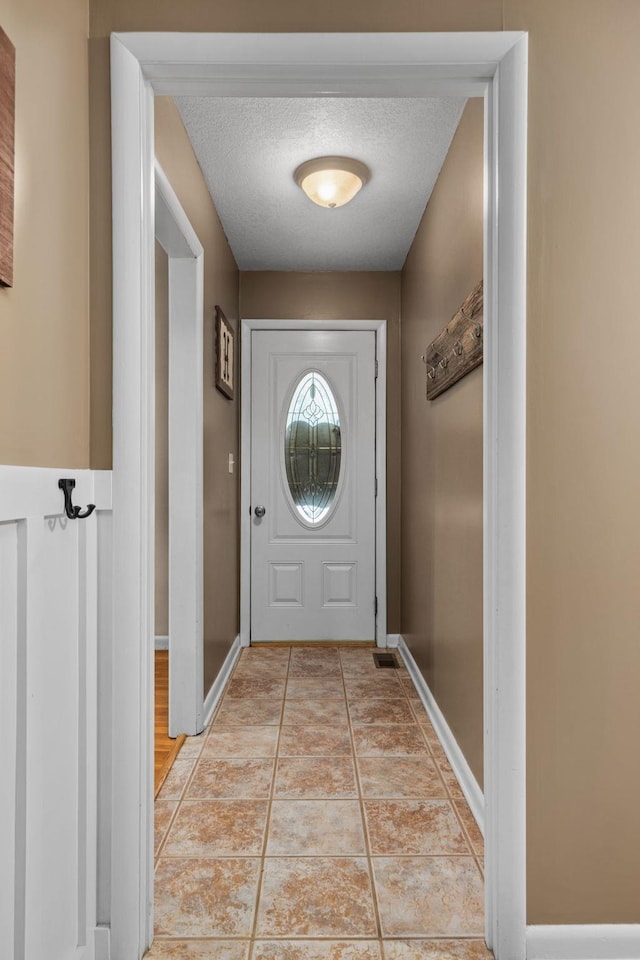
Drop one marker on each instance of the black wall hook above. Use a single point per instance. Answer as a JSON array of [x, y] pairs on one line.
[[74, 513]]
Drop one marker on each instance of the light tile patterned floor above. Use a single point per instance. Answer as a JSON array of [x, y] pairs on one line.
[[317, 818]]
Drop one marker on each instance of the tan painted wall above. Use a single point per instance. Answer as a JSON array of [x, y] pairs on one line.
[[44, 317], [584, 245], [221, 489], [583, 596], [442, 449], [345, 296]]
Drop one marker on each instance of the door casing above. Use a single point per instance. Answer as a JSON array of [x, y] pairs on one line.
[[185, 253], [380, 329], [492, 65]]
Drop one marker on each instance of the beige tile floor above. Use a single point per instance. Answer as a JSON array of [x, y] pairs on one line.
[[317, 818]]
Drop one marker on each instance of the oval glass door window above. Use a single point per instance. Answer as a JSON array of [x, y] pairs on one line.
[[312, 448]]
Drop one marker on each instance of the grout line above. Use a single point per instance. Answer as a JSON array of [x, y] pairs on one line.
[[265, 839], [178, 803], [449, 795], [396, 693], [454, 804], [365, 831], [195, 762], [321, 856], [329, 938]]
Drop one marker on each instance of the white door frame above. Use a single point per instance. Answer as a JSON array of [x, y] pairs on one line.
[[178, 239], [491, 65], [380, 328]]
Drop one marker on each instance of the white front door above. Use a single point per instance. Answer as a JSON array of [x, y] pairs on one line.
[[313, 485]]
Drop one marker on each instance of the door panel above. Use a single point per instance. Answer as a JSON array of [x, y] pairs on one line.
[[313, 471]]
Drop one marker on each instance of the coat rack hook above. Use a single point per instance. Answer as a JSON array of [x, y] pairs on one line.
[[73, 512]]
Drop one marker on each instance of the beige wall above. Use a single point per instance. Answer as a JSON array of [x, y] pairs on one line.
[[442, 449], [44, 318], [345, 296], [583, 596], [221, 489], [584, 460]]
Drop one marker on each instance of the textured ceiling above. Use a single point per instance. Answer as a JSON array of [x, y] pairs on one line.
[[248, 150]]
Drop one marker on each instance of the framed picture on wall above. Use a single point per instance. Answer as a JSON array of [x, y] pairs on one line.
[[225, 355]]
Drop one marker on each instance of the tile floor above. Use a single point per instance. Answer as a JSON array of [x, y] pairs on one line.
[[317, 818]]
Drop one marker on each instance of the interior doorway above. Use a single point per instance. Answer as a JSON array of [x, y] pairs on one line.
[[492, 65]]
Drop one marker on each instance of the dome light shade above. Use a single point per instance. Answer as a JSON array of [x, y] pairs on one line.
[[332, 181]]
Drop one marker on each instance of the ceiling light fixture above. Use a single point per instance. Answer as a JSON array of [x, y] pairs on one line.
[[332, 181]]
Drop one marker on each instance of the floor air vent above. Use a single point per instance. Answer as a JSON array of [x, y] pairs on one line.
[[385, 660]]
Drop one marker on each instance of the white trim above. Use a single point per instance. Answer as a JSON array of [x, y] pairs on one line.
[[213, 697], [132, 144], [381, 475], [105, 746], [161, 643], [464, 775], [317, 64], [185, 455], [606, 941], [493, 65], [393, 640], [380, 328], [102, 943], [504, 522], [174, 231]]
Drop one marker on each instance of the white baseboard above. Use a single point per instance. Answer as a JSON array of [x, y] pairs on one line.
[[459, 765], [393, 640], [212, 698], [162, 643], [608, 941]]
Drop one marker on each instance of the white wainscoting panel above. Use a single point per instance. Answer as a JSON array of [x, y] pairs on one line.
[[48, 714]]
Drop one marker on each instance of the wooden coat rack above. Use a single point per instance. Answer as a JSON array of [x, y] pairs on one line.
[[7, 128], [458, 349]]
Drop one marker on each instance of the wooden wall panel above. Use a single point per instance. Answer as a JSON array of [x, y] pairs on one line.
[[7, 136]]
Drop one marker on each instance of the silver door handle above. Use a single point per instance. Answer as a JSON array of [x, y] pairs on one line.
[[260, 511]]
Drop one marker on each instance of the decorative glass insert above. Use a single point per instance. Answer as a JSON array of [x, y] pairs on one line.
[[312, 447]]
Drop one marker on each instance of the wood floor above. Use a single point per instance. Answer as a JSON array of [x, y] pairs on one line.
[[165, 749]]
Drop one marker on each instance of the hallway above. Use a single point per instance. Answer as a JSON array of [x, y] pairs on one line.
[[317, 818]]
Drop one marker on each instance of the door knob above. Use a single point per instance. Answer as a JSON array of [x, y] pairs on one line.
[[260, 511]]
